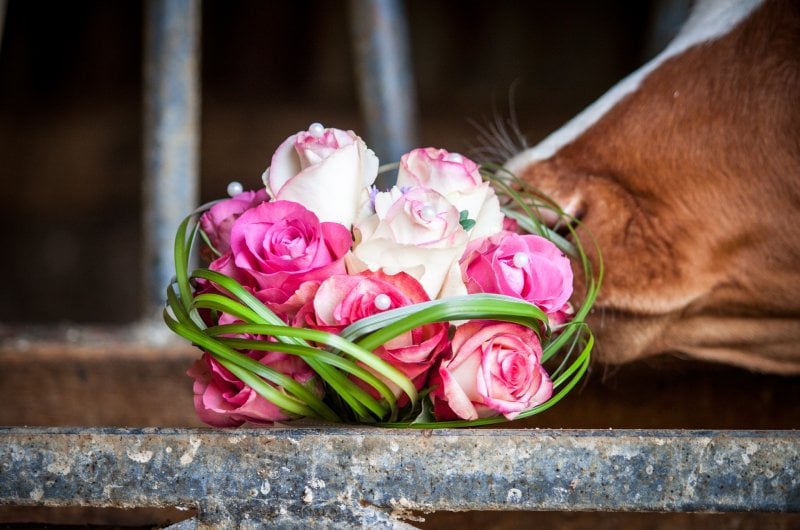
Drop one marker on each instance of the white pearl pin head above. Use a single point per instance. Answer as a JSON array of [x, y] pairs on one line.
[[428, 212], [382, 302], [520, 260], [316, 130], [235, 188]]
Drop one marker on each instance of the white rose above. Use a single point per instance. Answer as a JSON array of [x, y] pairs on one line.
[[459, 180], [329, 171], [416, 231]]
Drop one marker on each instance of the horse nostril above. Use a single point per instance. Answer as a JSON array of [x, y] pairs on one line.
[[574, 209], [563, 222]]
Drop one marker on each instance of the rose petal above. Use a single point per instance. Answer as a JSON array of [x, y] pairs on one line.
[[330, 174], [283, 167], [456, 397]]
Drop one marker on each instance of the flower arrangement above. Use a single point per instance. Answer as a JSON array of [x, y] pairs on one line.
[[441, 302]]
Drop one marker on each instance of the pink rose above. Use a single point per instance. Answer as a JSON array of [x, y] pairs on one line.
[[299, 301], [225, 265], [329, 171], [416, 231], [281, 244], [561, 316], [459, 180], [524, 266], [510, 225], [222, 400], [218, 220], [495, 368], [343, 300]]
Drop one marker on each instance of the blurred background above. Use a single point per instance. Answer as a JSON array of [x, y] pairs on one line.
[[71, 106]]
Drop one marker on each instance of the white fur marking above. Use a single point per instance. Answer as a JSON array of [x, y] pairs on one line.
[[709, 20]]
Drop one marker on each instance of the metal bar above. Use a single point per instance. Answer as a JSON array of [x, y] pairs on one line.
[[3, 8], [368, 477], [171, 138], [386, 87]]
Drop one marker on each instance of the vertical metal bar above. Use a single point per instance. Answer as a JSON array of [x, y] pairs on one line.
[[171, 137], [3, 7], [386, 88]]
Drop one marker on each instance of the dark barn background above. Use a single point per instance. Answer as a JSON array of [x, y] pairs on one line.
[[71, 128], [71, 165]]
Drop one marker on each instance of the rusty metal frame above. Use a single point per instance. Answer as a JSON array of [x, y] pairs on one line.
[[387, 94], [172, 108], [3, 9], [172, 137], [373, 478]]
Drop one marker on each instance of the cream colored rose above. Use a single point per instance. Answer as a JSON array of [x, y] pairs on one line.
[[416, 231], [329, 171], [459, 180]]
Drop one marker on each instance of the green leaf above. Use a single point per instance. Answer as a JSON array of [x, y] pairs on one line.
[[426, 414], [464, 220], [208, 243]]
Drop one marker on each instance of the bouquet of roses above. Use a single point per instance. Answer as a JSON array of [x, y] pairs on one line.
[[442, 301]]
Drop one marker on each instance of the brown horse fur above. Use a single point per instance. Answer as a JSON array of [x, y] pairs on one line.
[[691, 186]]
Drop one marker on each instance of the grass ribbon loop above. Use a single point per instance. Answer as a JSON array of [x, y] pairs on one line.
[[340, 344], [390, 324], [252, 310], [299, 399], [307, 353]]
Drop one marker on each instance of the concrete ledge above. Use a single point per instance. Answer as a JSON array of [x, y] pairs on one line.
[[369, 477]]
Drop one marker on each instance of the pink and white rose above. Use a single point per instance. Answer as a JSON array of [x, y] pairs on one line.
[[529, 267], [280, 244], [223, 400], [329, 171], [459, 180], [495, 368], [416, 231]]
